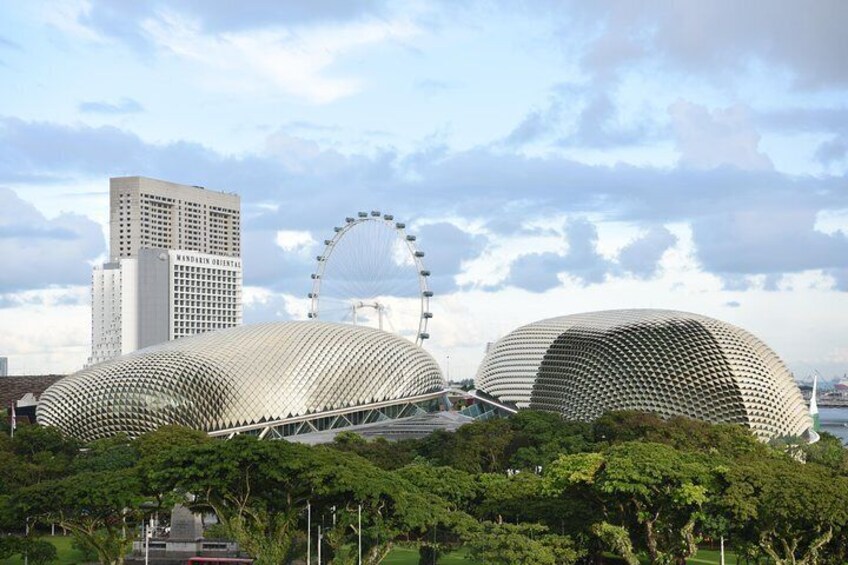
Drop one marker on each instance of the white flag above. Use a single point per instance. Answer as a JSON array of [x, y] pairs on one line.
[[14, 421]]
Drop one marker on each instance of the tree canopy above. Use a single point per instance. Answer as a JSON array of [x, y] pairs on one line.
[[529, 489]]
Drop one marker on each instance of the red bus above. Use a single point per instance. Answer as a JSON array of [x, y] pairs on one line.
[[218, 560]]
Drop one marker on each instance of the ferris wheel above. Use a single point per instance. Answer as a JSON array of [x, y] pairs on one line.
[[372, 273]]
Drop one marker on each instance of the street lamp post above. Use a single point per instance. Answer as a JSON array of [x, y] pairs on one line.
[[146, 533], [360, 534], [149, 510], [319, 545], [308, 533]]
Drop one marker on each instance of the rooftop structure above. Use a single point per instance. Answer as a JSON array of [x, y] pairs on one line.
[[14, 388], [670, 363]]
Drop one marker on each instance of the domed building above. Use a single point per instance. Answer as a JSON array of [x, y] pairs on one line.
[[667, 362], [273, 379]]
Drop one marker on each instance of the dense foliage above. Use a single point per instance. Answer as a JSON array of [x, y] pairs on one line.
[[530, 489]]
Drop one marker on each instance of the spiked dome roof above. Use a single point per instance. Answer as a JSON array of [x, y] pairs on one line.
[[671, 363], [239, 376]]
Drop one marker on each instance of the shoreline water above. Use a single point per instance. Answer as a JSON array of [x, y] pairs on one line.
[[834, 421]]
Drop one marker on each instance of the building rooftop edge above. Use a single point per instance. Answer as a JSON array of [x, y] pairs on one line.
[[217, 191]]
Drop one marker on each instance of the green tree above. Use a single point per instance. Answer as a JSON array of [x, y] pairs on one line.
[[391, 505], [40, 552], [728, 441], [541, 437], [652, 490], [9, 546], [97, 507], [474, 448], [520, 498], [35, 454], [32, 440], [253, 487], [789, 509], [428, 554], [109, 454], [458, 488], [829, 452], [616, 540], [166, 438], [154, 449], [509, 544], [89, 553], [259, 491], [384, 454], [625, 425]]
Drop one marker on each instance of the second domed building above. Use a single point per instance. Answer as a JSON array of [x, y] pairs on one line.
[[666, 362]]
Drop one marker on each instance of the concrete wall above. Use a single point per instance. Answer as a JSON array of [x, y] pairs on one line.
[[153, 297], [129, 305]]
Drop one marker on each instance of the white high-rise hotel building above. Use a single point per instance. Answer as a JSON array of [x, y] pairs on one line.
[[175, 266]]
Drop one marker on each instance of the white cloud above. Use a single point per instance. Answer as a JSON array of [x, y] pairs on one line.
[[294, 241], [38, 252], [264, 305], [803, 320], [708, 139], [492, 267], [31, 349], [832, 221], [67, 16], [255, 296], [296, 307], [615, 236], [295, 61]]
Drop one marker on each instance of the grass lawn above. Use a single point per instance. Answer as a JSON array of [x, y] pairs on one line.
[[398, 556], [713, 556], [407, 556], [67, 554]]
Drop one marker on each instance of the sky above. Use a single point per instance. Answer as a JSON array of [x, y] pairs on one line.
[[551, 157]]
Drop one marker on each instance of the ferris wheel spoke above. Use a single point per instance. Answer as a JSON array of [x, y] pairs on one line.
[[371, 273]]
